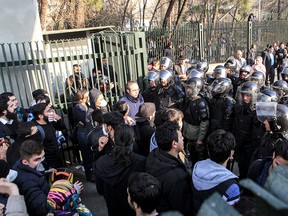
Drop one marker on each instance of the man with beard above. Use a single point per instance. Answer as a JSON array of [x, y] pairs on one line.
[[50, 122], [133, 98], [7, 118]]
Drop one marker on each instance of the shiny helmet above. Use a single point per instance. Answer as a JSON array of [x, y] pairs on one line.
[[219, 72], [251, 89], [267, 95], [166, 63], [195, 73], [275, 114], [245, 72], [284, 74], [258, 77], [153, 76], [166, 75], [280, 87], [202, 66], [193, 86], [221, 87]]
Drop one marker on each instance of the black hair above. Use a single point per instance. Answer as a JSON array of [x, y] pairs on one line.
[[172, 114], [113, 119], [43, 97], [29, 148], [24, 129], [38, 109], [7, 94], [97, 116], [220, 144], [122, 107], [167, 133], [145, 190], [3, 104], [38, 92], [124, 137], [281, 149]]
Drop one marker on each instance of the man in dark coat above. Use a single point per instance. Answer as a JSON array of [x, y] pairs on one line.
[[31, 182], [173, 175]]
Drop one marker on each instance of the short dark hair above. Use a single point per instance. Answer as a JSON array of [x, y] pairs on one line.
[[220, 143], [7, 94], [80, 95], [3, 104], [97, 116], [43, 97], [24, 129], [281, 149], [113, 119], [38, 109], [172, 114], [122, 107], [145, 190], [29, 148], [166, 133]]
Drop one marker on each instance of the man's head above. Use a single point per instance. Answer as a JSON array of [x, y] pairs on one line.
[[239, 54], [280, 155], [220, 145], [144, 192], [169, 137], [97, 117], [132, 89], [76, 68], [111, 120], [156, 64], [12, 99], [7, 108], [32, 153], [40, 111], [271, 48]]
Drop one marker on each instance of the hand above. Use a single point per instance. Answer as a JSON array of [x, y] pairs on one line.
[[3, 149], [2, 209], [8, 187], [51, 170], [128, 120], [102, 142], [111, 85], [79, 187]]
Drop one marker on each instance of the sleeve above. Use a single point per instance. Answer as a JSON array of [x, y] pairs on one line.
[[35, 198], [16, 206], [232, 194]]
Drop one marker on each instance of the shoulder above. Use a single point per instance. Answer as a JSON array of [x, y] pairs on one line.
[[232, 194]]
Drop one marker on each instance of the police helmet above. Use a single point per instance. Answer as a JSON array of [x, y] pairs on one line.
[[202, 66], [193, 86], [267, 95], [244, 69], [258, 77], [166, 75], [219, 72], [281, 88], [167, 62], [221, 87]]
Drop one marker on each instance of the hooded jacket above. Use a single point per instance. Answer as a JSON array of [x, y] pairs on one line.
[[209, 177], [112, 182], [175, 179]]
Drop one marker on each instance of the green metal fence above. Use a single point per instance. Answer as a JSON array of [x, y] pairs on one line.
[[202, 41], [27, 66]]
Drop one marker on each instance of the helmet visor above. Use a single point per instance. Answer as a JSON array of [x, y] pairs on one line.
[[266, 111]]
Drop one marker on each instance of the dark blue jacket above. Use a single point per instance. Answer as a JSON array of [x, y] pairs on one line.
[[32, 184], [133, 103]]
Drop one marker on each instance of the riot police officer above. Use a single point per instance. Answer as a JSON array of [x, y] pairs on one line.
[[281, 88], [153, 79], [259, 78]]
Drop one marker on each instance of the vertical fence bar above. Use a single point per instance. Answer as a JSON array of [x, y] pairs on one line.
[[249, 36], [201, 41]]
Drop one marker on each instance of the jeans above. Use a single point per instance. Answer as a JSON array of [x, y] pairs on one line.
[[86, 152]]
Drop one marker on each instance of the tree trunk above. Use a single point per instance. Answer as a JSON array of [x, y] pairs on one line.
[[79, 15], [42, 7], [124, 14], [279, 10], [168, 13], [144, 8], [181, 12], [153, 15]]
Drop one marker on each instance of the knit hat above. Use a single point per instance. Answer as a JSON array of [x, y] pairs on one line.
[[146, 110], [60, 193], [4, 169], [93, 96]]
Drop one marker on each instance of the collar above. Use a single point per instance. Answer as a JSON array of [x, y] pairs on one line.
[[4, 121]]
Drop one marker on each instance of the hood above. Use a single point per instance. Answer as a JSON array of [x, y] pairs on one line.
[[93, 95], [208, 174], [110, 171], [160, 162]]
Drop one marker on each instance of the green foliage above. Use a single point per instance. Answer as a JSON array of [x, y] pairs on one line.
[[96, 4], [245, 7]]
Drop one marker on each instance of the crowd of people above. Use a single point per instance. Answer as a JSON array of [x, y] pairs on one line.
[[166, 149]]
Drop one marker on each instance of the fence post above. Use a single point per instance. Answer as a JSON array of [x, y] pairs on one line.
[[249, 36], [201, 41]]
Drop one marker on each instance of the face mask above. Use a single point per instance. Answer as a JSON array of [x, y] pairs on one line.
[[103, 103], [12, 175], [40, 167], [104, 131]]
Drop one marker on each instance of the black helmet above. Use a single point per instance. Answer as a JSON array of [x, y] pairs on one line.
[[245, 72], [281, 88], [230, 65], [202, 66], [193, 86], [153, 76], [166, 75], [167, 62], [258, 77], [267, 95], [195, 73], [221, 87], [248, 88], [284, 74], [219, 72], [275, 114]]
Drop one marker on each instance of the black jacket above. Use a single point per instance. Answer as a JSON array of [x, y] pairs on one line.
[[112, 182], [32, 184], [175, 179]]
